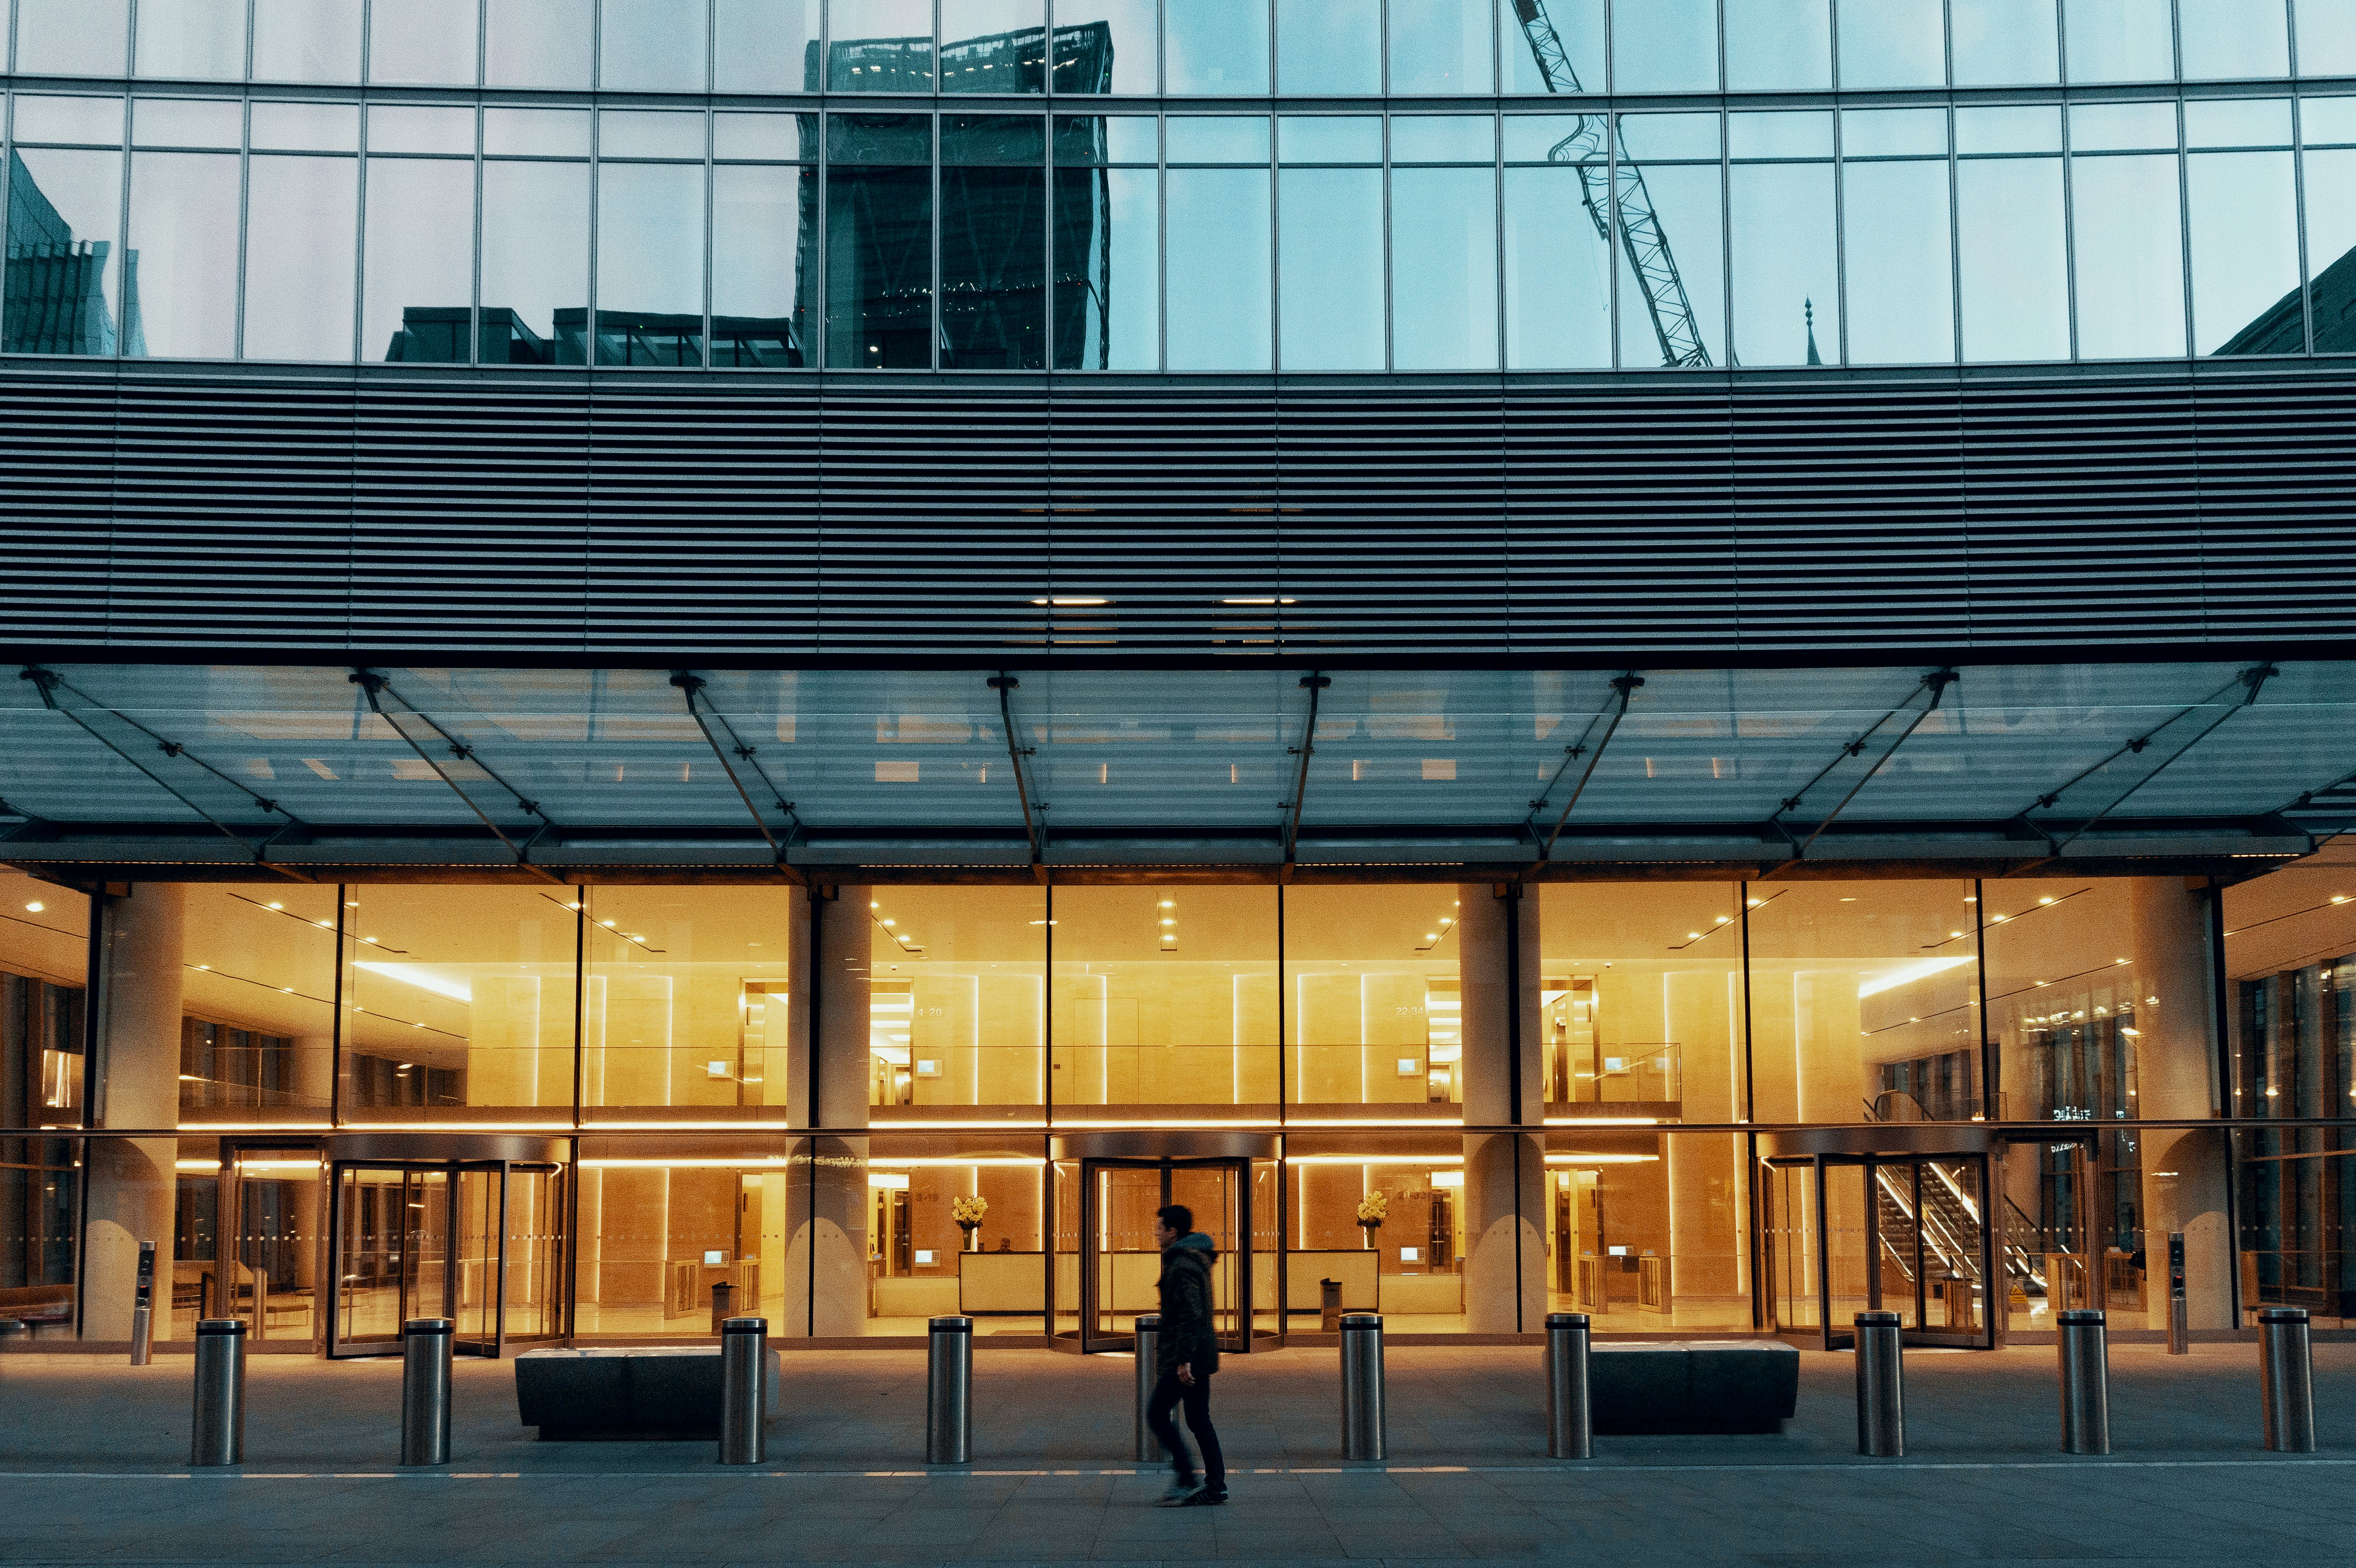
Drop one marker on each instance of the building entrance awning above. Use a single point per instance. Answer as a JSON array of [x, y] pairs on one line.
[[151, 771]]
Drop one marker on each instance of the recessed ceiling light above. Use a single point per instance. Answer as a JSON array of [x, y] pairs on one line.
[[35, 906]]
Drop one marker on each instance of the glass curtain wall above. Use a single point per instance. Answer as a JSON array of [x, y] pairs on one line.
[[243, 193], [44, 933]]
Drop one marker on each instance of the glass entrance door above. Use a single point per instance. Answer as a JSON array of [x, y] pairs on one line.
[[1903, 1233], [1120, 1265], [265, 1272], [479, 1243]]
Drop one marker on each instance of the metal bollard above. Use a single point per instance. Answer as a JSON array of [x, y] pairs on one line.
[[1570, 1407], [724, 1306], [425, 1345], [143, 1310], [1149, 1374], [949, 1393], [743, 1391], [219, 1437], [1881, 1387], [2285, 1367], [1364, 1433], [2083, 1346], [2180, 1313]]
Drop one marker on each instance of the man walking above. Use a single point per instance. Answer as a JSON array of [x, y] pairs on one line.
[[1189, 1355]]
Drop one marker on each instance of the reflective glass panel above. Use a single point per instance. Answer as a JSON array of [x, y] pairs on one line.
[[1329, 139], [996, 45], [184, 232], [97, 121], [1667, 46], [1440, 45], [993, 243], [2226, 39], [2331, 242], [535, 265], [1682, 297], [1558, 274], [307, 40], [419, 282], [1785, 272], [2030, 128], [1107, 236], [1778, 43], [2122, 127], [430, 41], [1217, 139], [2014, 294], [72, 38], [880, 45], [1654, 137], [64, 208], [2237, 123], [302, 230], [649, 263], [1577, 29], [1108, 46], [1330, 266], [1900, 305], [2323, 122], [651, 45], [305, 127], [2327, 40], [651, 133], [1780, 135], [2244, 236], [1219, 264], [2004, 43], [1331, 47], [258, 986], [762, 138], [1443, 139], [765, 45], [1217, 46], [1893, 43], [192, 38], [187, 122], [2130, 257], [684, 999], [2118, 40], [1883, 133], [1444, 269], [421, 128], [539, 43], [762, 219], [536, 132], [879, 250]]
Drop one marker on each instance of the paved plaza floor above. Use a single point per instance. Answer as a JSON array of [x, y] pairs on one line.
[[92, 1469]]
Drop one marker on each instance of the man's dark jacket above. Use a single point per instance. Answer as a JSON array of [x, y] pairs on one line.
[[1187, 1334]]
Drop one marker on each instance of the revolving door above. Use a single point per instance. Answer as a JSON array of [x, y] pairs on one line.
[[1904, 1232]]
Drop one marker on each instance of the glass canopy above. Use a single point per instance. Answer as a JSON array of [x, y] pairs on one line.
[[1125, 767]]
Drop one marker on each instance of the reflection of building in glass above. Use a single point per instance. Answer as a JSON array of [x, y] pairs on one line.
[[995, 62], [437, 334], [56, 290], [2280, 329]]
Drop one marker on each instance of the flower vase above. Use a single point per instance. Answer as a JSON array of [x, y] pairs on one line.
[[969, 1227]]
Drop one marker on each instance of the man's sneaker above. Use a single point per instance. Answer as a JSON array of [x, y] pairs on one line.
[[1205, 1496], [1179, 1494]]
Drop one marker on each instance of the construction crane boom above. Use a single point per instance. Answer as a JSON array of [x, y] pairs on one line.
[[1642, 239]]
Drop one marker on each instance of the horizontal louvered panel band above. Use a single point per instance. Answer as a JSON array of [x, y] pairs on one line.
[[604, 516]]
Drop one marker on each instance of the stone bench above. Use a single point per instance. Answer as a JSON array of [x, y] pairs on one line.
[[1728, 1386], [650, 1392]]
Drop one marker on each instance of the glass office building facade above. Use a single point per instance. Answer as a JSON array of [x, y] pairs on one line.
[[560, 998], [1207, 185]]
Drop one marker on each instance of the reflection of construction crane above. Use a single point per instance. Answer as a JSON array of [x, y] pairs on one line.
[[1646, 246]]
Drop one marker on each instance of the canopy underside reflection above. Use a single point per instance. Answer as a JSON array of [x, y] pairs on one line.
[[2220, 768]]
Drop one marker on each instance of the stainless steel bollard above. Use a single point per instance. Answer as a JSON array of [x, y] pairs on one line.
[[425, 1345], [1364, 1433], [2082, 1344], [949, 1393], [1570, 1406], [1881, 1387], [2288, 1387], [143, 1310], [1149, 1374], [219, 1437], [743, 1391]]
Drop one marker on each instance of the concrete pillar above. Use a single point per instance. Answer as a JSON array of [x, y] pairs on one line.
[[826, 1191], [1499, 1298], [2186, 1171], [131, 1180], [314, 1082]]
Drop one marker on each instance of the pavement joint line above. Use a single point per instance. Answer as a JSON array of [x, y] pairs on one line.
[[1565, 1468]]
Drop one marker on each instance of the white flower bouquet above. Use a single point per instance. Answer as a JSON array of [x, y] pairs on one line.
[[1372, 1210]]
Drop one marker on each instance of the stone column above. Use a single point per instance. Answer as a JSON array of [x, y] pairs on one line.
[[1495, 1300], [826, 1191], [2186, 1171], [131, 1180]]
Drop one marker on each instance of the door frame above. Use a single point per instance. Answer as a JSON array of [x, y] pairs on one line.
[[1239, 1167], [228, 1242], [1839, 1337], [493, 1345]]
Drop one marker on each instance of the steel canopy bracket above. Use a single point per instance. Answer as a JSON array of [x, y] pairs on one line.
[[1034, 822], [1288, 833], [376, 688], [699, 704], [1935, 684], [1626, 685]]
